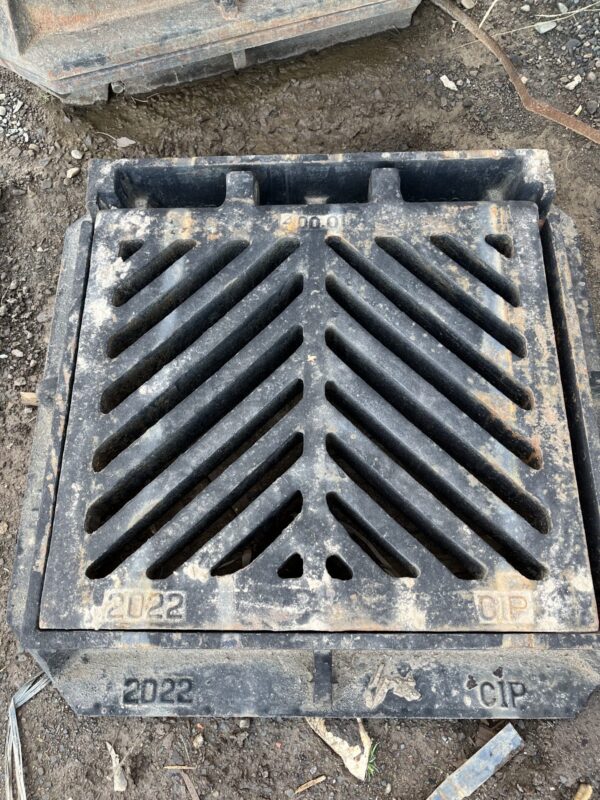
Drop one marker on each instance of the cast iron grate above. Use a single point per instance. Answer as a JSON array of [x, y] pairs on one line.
[[286, 419], [322, 428]]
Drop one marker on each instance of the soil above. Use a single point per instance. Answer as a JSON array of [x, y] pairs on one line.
[[383, 93]]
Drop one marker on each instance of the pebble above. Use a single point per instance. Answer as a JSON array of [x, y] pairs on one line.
[[526, 7], [562, 8], [17, 353], [591, 106], [77, 155], [545, 27], [244, 724], [448, 84], [468, 4], [2, 111], [574, 83], [72, 172]]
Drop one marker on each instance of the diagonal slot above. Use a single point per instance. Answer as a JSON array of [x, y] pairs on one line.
[[501, 242], [429, 370], [465, 258], [199, 372], [261, 537], [435, 279], [229, 507], [140, 277], [196, 276], [402, 511], [444, 333], [222, 404], [496, 480], [197, 480], [206, 316], [453, 499], [367, 538]]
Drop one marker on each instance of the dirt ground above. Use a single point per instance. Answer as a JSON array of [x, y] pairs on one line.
[[379, 94]]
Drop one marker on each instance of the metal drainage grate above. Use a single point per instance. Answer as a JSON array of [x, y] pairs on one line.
[[313, 404]]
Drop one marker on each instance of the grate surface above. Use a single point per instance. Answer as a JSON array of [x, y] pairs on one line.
[[322, 417]]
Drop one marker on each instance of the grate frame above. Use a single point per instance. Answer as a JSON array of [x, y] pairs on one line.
[[337, 674]]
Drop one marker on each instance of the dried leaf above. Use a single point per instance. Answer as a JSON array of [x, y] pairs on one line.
[[119, 778]]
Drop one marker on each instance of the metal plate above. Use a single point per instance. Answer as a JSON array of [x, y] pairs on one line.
[[327, 416]]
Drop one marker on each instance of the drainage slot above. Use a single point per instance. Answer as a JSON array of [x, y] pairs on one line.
[[465, 454], [402, 511], [257, 541], [211, 312], [292, 567], [455, 501], [438, 282], [140, 277], [222, 404], [338, 569], [495, 375], [198, 275], [469, 261], [455, 391], [367, 538]]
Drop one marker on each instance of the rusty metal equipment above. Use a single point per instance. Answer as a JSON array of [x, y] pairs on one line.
[[317, 436], [81, 52]]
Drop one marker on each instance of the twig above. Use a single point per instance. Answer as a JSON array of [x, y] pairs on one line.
[[310, 784], [530, 103], [190, 786], [563, 15], [558, 18], [14, 782], [488, 12]]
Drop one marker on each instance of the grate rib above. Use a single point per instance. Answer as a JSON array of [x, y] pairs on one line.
[[243, 384], [409, 258], [436, 327], [457, 502], [499, 482], [461, 255], [391, 338], [217, 305]]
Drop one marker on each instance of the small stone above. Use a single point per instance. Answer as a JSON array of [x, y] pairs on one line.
[[591, 106], [545, 27], [2, 111], [526, 7], [388, 788], [73, 172], [198, 741], [77, 155], [3, 528], [17, 353], [244, 724], [562, 8], [468, 4], [448, 84], [17, 106], [591, 76], [574, 83]]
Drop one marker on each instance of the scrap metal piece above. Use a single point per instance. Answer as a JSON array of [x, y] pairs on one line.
[[481, 766], [76, 52]]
